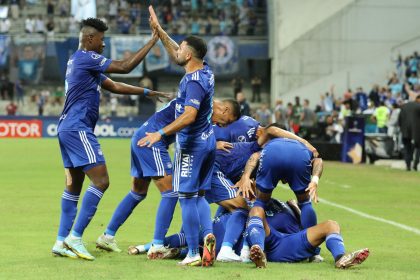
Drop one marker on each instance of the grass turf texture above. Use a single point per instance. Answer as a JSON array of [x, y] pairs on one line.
[[32, 181]]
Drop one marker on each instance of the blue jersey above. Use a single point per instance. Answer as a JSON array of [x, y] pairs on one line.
[[233, 163], [242, 130], [160, 119], [196, 90], [82, 86]]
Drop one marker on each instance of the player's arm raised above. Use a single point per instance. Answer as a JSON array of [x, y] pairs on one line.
[[244, 185], [184, 120], [126, 89], [275, 132], [317, 168], [127, 65], [170, 45]]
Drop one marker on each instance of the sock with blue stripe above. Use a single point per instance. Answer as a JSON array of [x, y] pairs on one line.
[[164, 215], [176, 240], [335, 245], [256, 232], [68, 213], [190, 221], [308, 215], [123, 211], [89, 205], [234, 227], [204, 212]]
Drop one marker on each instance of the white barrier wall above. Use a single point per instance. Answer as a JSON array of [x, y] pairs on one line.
[[317, 43]]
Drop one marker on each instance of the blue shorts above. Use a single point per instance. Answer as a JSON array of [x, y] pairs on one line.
[[80, 149], [284, 159], [149, 162], [221, 187], [295, 247], [193, 169]]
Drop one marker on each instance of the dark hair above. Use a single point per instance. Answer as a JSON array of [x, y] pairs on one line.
[[96, 23], [198, 44], [236, 108], [282, 126]]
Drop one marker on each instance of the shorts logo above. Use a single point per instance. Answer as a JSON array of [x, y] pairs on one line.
[[100, 152], [186, 165], [169, 165]]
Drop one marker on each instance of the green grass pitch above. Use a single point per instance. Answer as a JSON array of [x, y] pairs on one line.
[[32, 181]]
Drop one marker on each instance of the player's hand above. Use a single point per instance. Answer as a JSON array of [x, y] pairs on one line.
[[244, 186], [315, 153], [153, 20], [313, 191], [149, 139], [225, 146], [157, 95]]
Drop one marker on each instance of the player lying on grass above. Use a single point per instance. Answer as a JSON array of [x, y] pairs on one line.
[[154, 163], [269, 244], [282, 216]]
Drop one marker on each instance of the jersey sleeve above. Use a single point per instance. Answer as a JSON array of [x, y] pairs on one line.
[[103, 78], [96, 62], [194, 94]]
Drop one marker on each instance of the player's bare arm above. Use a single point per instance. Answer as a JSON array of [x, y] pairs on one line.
[[275, 132], [317, 168], [127, 65], [225, 146], [187, 118], [126, 89], [244, 185], [170, 45]]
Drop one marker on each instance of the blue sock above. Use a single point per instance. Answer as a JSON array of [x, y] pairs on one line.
[[87, 211], [164, 215], [335, 245], [123, 211], [204, 212], [234, 227], [68, 213], [190, 221], [176, 240], [308, 215], [256, 232]]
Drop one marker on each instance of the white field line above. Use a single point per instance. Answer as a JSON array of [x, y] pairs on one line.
[[367, 216]]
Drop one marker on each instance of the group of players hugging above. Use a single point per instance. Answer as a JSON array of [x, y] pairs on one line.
[[220, 157]]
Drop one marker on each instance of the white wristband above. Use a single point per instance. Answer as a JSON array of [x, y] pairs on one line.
[[315, 179]]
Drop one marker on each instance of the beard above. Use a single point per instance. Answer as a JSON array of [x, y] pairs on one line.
[[181, 62]]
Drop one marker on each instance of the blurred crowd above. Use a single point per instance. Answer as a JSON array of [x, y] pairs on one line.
[[199, 17]]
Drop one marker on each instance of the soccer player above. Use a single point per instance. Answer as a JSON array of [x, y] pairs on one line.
[[154, 163], [80, 150], [288, 161], [195, 145], [243, 130], [272, 245]]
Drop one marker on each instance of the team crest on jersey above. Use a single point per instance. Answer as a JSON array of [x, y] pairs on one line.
[[241, 138], [95, 56]]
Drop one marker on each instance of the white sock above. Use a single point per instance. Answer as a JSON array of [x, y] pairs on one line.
[[59, 243]]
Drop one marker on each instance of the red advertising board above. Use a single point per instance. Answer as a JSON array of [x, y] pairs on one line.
[[20, 128]]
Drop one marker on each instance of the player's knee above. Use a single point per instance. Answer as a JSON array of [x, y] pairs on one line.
[[102, 183], [257, 211], [333, 226]]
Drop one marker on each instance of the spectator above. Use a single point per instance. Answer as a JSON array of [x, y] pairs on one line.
[[124, 24], [245, 109], [50, 8], [307, 119], [329, 101], [14, 9], [114, 104], [374, 95], [296, 115], [361, 98], [345, 110], [393, 127], [256, 89], [280, 114], [113, 9], [263, 115], [400, 67], [381, 116], [333, 130], [50, 27], [4, 26], [237, 84], [11, 108], [395, 86], [29, 24], [40, 25], [41, 104], [73, 26], [64, 8]]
